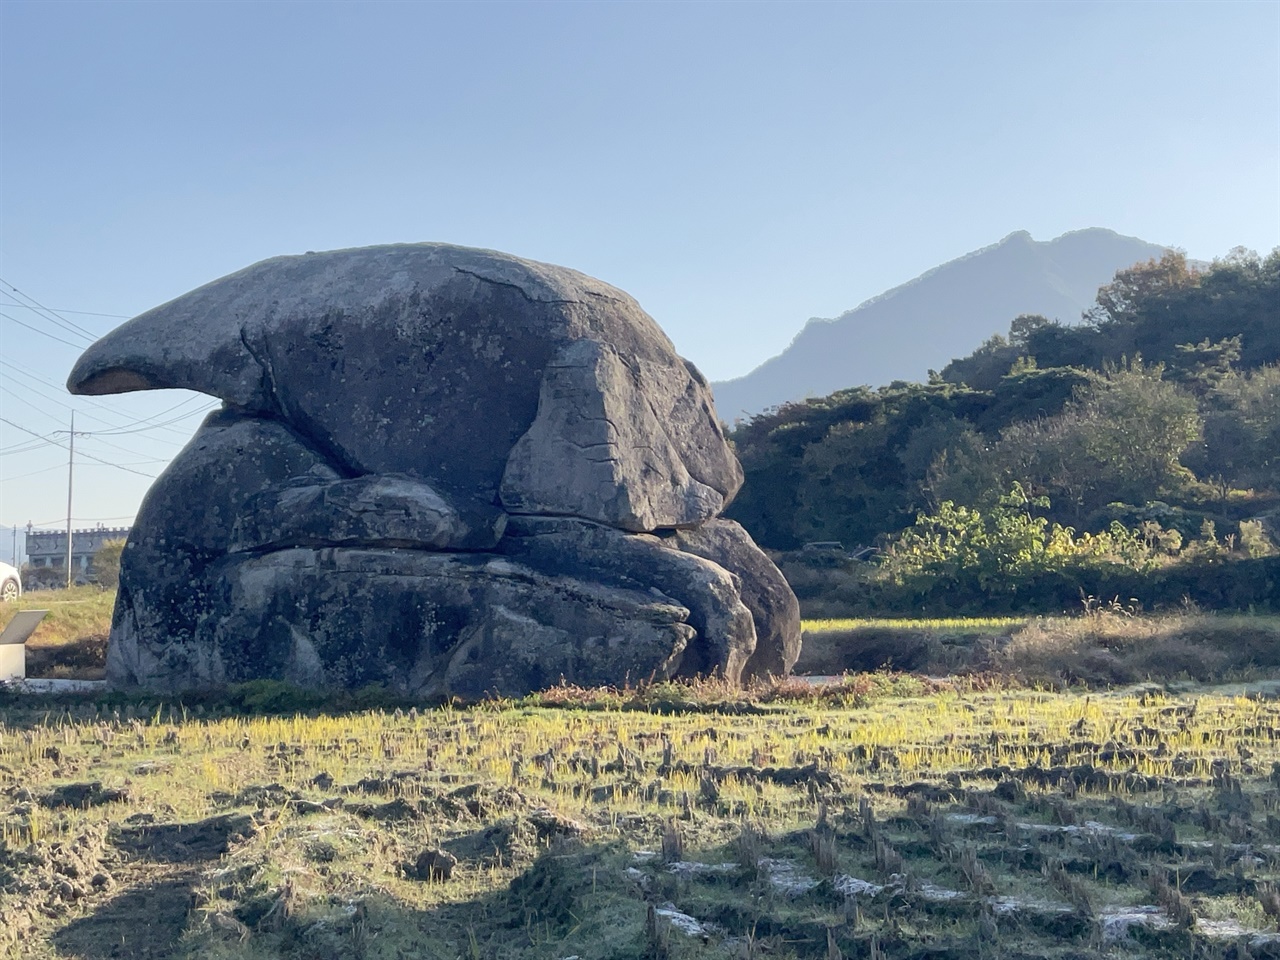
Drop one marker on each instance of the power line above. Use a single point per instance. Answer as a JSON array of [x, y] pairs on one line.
[[55, 443], [154, 426], [82, 313], [111, 463], [43, 333], [24, 447], [34, 376], [122, 427], [33, 473], [137, 426], [51, 314], [64, 325], [116, 446], [49, 523], [177, 406], [17, 395], [69, 326], [21, 399]]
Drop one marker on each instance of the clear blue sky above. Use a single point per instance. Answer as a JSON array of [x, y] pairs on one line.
[[737, 167]]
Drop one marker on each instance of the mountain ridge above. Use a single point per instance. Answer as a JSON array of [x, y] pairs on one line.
[[943, 313]]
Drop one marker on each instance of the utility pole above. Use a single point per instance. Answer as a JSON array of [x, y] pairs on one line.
[[71, 464]]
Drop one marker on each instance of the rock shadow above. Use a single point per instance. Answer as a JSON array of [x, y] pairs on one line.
[[148, 919], [144, 921]]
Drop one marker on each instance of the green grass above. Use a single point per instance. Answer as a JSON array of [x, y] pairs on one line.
[[989, 817], [73, 614], [71, 640]]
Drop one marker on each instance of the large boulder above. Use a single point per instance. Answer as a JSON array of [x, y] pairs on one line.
[[387, 511], [186, 523], [598, 449], [766, 593], [726, 633], [430, 624], [419, 359], [444, 470]]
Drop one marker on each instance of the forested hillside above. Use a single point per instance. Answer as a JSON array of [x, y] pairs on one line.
[[1157, 417]]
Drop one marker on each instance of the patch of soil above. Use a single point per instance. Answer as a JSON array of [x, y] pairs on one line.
[[391, 811], [929, 792], [1204, 880], [184, 842], [552, 890], [84, 658], [50, 880], [864, 650], [431, 865], [811, 775], [400, 782], [482, 800], [515, 839], [81, 796]]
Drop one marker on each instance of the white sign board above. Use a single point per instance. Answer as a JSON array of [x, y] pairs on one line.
[[13, 652], [13, 662]]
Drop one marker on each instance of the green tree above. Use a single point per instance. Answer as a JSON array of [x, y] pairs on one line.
[[1120, 439], [1052, 406], [964, 471], [1139, 289], [1137, 428], [991, 546], [1203, 366], [1241, 430], [106, 563]]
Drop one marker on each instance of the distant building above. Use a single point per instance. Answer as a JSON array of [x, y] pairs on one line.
[[48, 548]]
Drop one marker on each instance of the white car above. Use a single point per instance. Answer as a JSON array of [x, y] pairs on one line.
[[10, 583]]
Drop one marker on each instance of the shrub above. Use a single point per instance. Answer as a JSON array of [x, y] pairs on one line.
[[106, 564], [44, 578]]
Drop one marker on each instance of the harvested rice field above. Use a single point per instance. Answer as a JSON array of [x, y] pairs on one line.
[[846, 821]]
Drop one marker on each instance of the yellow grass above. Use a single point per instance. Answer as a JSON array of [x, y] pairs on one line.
[[73, 614], [1145, 763], [954, 624]]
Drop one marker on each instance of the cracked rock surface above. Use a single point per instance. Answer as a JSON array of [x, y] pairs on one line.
[[408, 401], [598, 450]]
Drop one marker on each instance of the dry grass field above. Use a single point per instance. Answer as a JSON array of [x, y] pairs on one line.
[[880, 817], [1103, 647], [71, 641], [1028, 804]]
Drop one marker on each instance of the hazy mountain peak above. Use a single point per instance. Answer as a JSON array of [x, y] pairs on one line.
[[942, 314]]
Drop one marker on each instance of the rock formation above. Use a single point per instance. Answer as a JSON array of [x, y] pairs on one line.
[[444, 470]]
